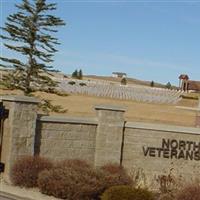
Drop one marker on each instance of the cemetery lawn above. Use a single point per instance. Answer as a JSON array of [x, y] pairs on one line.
[[81, 105]]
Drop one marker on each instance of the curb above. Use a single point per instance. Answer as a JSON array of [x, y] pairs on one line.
[[12, 196]]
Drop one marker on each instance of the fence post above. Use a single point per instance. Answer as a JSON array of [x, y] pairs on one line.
[[109, 138], [18, 130]]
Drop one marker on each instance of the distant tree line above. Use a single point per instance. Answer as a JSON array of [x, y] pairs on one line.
[[168, 85], [77, 74]]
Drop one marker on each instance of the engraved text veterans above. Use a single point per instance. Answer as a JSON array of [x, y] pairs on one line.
[[175, 149]]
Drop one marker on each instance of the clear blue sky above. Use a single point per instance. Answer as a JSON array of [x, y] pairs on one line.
[[149, 40]]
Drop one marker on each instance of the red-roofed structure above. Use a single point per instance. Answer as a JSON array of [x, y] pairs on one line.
[[185, 84]]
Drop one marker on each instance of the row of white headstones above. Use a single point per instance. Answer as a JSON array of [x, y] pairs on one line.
[[117, 91]]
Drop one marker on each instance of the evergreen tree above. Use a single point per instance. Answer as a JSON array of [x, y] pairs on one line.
[[168, 85], [75, 74], [80, 74], [123, 81], [152, 84], [30, 32]]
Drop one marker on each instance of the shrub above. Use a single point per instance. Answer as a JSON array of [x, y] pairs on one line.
[[143, 194], [72, 82], [118, 193], [190, 192], [82, 84], [166, 196], [76, 179], [115, 174], [167, 183], [75, 164], [72, 180], [26, 169], [126, 193]]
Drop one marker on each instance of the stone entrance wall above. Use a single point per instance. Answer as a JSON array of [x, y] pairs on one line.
[[154, 150], [151, 150], [62, 138]]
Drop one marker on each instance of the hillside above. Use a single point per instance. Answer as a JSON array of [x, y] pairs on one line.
[[81, 105], [111, 79], [136, 111], [129, 80]]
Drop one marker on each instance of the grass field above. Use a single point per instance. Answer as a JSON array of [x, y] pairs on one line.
[[78, 105]]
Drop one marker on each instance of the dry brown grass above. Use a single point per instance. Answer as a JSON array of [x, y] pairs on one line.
[[79, 105]]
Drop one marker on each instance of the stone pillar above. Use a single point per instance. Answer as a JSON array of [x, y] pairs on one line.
[[18, 130], [109, 138]]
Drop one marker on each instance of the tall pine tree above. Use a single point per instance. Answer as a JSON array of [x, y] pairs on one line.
[[30, 32]]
